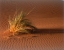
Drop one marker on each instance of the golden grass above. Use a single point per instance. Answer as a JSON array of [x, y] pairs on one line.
[[19, 24]]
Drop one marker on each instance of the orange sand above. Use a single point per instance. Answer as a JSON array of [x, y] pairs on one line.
[[33, 42], [47, 14]]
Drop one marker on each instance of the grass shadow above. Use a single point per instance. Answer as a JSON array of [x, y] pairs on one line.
[[47, 31], [43, 31]]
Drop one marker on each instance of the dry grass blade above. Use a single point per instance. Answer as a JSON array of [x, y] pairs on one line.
[[19, 24]]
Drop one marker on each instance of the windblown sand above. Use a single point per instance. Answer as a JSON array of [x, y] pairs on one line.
[[54, 41], [47, 14]]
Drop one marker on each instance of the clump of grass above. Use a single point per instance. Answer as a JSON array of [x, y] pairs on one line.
[[19, 24]]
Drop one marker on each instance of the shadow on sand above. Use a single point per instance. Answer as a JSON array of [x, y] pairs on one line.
[[44, 31], [47, 31]]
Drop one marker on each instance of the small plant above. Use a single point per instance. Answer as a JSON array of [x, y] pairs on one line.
[[20, 24]]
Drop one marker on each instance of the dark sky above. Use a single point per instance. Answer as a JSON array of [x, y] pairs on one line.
[[44, 11]]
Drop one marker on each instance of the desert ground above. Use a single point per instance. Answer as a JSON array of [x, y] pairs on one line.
[[47, 16]]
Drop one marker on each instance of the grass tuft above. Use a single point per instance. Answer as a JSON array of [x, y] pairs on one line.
[[20, 24]]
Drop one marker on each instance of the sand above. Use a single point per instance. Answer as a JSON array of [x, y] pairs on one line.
[[46, 15], [54, 41]]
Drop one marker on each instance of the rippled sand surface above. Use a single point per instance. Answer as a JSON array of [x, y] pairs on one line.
[[46, 15], [33, 42]]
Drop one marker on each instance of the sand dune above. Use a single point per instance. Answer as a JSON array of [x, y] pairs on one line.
[[33, 42], [47, 15]]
